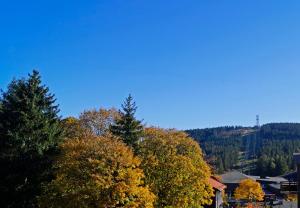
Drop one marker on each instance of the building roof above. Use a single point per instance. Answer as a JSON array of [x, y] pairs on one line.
[[277, 179], [237, 177], [234, 177], [292, 176], [296, 157], [275, 186], [216, 184]]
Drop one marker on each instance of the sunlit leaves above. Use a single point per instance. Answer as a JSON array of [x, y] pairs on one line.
[[97, 172], [249, 190], [97, 122], [175, 169]]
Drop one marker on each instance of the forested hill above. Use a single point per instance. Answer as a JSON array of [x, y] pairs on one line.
[[263, 151]]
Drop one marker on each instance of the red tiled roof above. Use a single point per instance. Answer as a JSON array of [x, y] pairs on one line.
[[216, 184]]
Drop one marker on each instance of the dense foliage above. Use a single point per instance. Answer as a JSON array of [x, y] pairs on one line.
[[249, 190], [73, 128], [106, 158], [29, 133], [97, 172], [175, 169], [222, 146], [265, 151]]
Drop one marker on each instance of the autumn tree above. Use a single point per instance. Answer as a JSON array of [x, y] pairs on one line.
[[90, 122], [175, 169], [292, 197], [249, 190], [97, 122], [73, 128], [127, 127], [29, 133], [98, 172]]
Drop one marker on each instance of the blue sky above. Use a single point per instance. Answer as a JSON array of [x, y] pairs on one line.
[[188, 64]]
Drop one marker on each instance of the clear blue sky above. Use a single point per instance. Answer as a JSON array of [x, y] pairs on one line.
[[187, 63]]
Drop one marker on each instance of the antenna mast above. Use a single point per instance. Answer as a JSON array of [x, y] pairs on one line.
[[257, 121]]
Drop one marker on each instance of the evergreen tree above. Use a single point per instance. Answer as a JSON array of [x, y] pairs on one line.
[[281, 166], [29, 133], [128, 128], [220, 165]]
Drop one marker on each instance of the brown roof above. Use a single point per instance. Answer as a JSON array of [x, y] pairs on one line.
[[216, 184]]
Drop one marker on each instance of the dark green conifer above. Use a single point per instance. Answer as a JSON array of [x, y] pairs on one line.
[[128, 128], [29, 133]]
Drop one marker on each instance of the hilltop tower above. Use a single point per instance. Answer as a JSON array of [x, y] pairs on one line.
[[257, 121]]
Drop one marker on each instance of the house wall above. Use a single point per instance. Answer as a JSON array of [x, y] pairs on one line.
[[218, 198]]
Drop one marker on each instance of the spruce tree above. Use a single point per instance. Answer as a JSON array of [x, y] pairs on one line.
[[128, 128], [29, 133]]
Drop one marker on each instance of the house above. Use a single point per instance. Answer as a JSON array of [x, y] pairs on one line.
[[292, 176], [232, 180], [218, 188], [270, 185]]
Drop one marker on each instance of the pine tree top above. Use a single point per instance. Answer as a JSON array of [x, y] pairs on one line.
[[129, 107], [128, 128], [29, 116]]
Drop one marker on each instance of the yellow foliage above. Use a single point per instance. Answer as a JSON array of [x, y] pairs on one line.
[[292, 197], [97, 172], [73, 128], [249, 190], [174, 168], [90, 123], [97, 122]]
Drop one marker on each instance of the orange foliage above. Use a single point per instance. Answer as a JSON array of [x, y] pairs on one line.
[[97, 172]]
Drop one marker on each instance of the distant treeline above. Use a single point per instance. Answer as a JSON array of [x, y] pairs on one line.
[[265, 151]]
